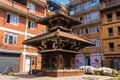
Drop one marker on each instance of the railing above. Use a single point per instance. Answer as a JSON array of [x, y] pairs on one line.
[[118, 17], [112, 2], [92, 21], [15, 5], [119, 33], [73, 2], [84, 10], [110, 34], [109, 19], [111, 49]]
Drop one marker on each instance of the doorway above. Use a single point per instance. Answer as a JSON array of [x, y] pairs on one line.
[[87, 61]]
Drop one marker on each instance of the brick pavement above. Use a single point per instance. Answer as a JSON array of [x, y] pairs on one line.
[[32, 77]]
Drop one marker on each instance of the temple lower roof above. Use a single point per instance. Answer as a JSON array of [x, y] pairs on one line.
[[57, 33]]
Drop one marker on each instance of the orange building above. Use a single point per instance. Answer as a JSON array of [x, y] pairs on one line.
[[17, 23], [88, 12], [110, 10]]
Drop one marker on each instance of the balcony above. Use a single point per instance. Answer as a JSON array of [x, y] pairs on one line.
[[14, 4], [88, 23], [92, 21], [41, 3], [15, 7], [83, 11], [110, 5], [112, 2]]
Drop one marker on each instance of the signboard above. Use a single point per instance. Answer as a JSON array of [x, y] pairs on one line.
[[79, 60], [96, 59]]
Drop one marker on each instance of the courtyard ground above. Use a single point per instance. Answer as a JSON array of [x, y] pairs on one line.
[[32, 77]]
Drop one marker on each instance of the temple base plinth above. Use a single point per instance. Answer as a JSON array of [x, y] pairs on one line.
[[62, 73]]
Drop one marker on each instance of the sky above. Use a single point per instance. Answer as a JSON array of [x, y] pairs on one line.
[[63, 1]]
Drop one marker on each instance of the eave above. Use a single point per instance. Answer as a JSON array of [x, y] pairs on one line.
[[58, 50], [39, 38]]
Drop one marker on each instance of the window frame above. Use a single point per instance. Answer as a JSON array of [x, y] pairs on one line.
[[118, 15], [31, 25], [109, 19], [33, 7], [110, 34], [7, 39], [111, 49], [14, 20], [118, 29]]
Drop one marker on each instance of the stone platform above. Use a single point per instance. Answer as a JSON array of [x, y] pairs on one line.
[[62, 73]]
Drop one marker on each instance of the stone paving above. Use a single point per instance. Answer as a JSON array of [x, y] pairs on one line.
[[32, 77]]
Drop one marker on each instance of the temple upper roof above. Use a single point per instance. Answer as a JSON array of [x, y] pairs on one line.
[[59, 21]]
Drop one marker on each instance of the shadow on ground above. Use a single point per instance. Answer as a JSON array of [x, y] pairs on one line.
[[27, 76]]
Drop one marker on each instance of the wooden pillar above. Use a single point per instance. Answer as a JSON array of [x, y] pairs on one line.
[[60, 61], [72, 63]]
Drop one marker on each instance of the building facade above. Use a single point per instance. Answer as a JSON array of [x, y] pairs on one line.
[[110, 10], [88, 12], [17, 23]]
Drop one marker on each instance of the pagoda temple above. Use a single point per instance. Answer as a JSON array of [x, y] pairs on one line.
[[59, 46]]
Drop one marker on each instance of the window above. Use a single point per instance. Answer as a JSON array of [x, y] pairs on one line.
[[118, 15], [72, 11], [109, 17], [32, 7], [80, 18], [86, 31], [10, 38], [91, 17], [93, 29], [97, 42], [93, 1], [12, 19], [111, 47], [78, 8], [110, 32], [118, 30], [31, 24]]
